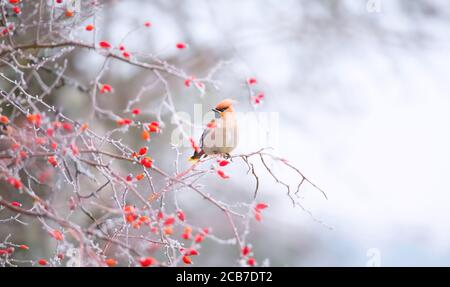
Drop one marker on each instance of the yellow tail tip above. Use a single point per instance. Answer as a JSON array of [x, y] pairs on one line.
[[193, 160]]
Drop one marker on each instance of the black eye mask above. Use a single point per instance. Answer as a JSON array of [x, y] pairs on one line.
[[218, 110]]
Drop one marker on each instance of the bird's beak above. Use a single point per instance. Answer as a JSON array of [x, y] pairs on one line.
[[216, 111]]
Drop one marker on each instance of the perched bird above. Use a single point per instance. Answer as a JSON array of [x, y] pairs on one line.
[[221, 134], [8, 135]]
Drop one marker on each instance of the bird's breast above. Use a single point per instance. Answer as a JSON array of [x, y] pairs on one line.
[[223, 138]]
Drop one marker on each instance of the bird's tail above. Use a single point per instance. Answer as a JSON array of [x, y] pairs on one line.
[[196, 156]]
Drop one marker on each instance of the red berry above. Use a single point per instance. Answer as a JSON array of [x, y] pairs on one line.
[[15, 146], [50, 132], [187, 82], [105, 89], [153, 127], [131, 217], [104, 44], [67, 127], [145, 135], [111, 262], [222, 174], [18, 184], [143, 150], [123, 122], [245, 250], [129, 209], [168, 230], [251, 261], [89, 27], [147, 162], [180, 215], [16, 204], [84, 127], [261, 206], [258, 216], [224, 163], [69, 13], [147, 24], [169, 221], [24, 247], [192, 252], [16, 9], [147, 261], [42, 262], [136, 112], [144, 219], [181, 45], [34, 119], [251, 81], [187, 260], [23, 154], [57, 235], [258, 98], [199, 238], [74, 148], [15, 182], [4, 120], [57, 125]]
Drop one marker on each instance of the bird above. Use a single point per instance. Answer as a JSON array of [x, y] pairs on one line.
[[8, 136], [221, 134]]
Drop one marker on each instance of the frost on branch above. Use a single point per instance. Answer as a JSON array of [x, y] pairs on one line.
[[91, 184]]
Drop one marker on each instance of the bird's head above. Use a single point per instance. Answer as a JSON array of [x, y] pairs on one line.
[[224, 106]]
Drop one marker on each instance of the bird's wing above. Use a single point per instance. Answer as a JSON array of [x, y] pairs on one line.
[[207, 131]]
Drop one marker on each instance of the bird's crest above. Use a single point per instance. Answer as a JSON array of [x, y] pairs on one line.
[[225, 104]]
